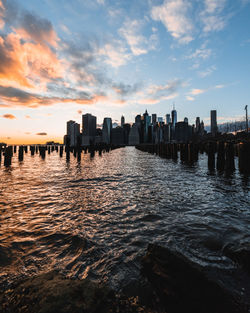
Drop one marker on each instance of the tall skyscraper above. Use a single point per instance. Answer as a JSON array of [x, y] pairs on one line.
[[122, 121], [197, 125], [106, 130], [174, 117], [168, 119], [213, 116], [154, 119], [185, 120], [73, 131], [146, 123], [88, 125]]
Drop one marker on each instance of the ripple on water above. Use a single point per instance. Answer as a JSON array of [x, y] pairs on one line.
[[96, 217]]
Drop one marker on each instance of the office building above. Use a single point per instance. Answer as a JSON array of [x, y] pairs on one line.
[[168, 119], [117, 136], [174, 117], [213, 117], [73, 132], [106, 130], [88, 129], [134, 137], [154, 119], [122, 121]]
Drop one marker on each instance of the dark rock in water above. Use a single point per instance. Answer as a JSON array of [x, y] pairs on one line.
[[240, 255], [182, 286], [52, 293]]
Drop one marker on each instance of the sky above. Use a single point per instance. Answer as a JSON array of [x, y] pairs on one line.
[[60, 59]]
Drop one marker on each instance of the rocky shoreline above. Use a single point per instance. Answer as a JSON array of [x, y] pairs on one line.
[[170, 283]]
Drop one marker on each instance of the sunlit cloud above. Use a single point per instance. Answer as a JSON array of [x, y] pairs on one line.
[[132, 32], [196, 92], [9, 116], [28, 117], [189, 98], [174, 14], [212, 17], [115, 54], [41, 134]]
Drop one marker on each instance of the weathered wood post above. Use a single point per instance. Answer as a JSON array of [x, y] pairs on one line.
[[36, 148], [48, 149], [190, 153], [229, 162], [8, 156], [244, 157], [220, 164], [67, 148], [20, 153], [211, 156], [14, 149], [26, 149], [61, 151]]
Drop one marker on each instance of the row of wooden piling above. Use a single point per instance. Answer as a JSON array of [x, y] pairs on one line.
[[221, 154], [9, 151]]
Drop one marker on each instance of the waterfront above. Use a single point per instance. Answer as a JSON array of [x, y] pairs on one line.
[[95, 218]]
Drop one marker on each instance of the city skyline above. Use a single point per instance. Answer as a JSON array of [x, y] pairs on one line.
[[57, 63]]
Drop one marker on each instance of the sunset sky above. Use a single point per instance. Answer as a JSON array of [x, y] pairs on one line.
[[60, 59]]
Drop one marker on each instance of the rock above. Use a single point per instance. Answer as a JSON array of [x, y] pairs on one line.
[[52, 293], [182, 286]]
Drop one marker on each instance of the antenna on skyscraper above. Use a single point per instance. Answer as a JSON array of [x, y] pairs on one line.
[[173, 105]]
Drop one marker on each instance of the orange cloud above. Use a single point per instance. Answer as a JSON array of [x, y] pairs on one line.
[[9, 116]]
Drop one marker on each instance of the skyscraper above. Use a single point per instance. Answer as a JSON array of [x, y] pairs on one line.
[[106, 130], [154, 119], [213, 116], [168, 119], [122, 121], [197, 125], [174, 117], [88, 129], [88, 125], [73, 131], [146, 123]]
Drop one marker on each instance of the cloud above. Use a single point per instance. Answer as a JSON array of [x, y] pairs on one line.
[[13, 97], [37, 29], [27, 116], [79, 112], [155, 100], [197, 91], [2, 23], [169, 87], [115, 54], [189, 98], [201, 53], [126, 89], [9, 116], [41, 134], [212, 17], [139, 44], [207, 72], [174, 16]]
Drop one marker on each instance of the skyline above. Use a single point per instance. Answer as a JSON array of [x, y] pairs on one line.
[[57, 63]]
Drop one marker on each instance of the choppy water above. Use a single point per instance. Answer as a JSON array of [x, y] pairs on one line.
[[95, 218]]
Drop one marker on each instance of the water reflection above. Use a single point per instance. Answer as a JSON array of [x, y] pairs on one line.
[[95, 216]]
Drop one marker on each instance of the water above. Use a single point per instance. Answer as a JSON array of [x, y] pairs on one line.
[[95, 218]]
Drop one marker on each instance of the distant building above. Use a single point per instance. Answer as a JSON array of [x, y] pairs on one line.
[[168, 119], [186, 120], [73, 132], [174, 117], [117, 136], [122, 121], [160, 120], [88, 129], [106, 130], [146, 123], [183, 132], [134, 137], [126, 128], [197, 125], [213, 116], [154, 119]]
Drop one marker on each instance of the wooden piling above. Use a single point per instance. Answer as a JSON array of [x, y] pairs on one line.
[[8, 156], [229, 161], [20, 153], [220, 164], [211, 156], [244, 157]]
